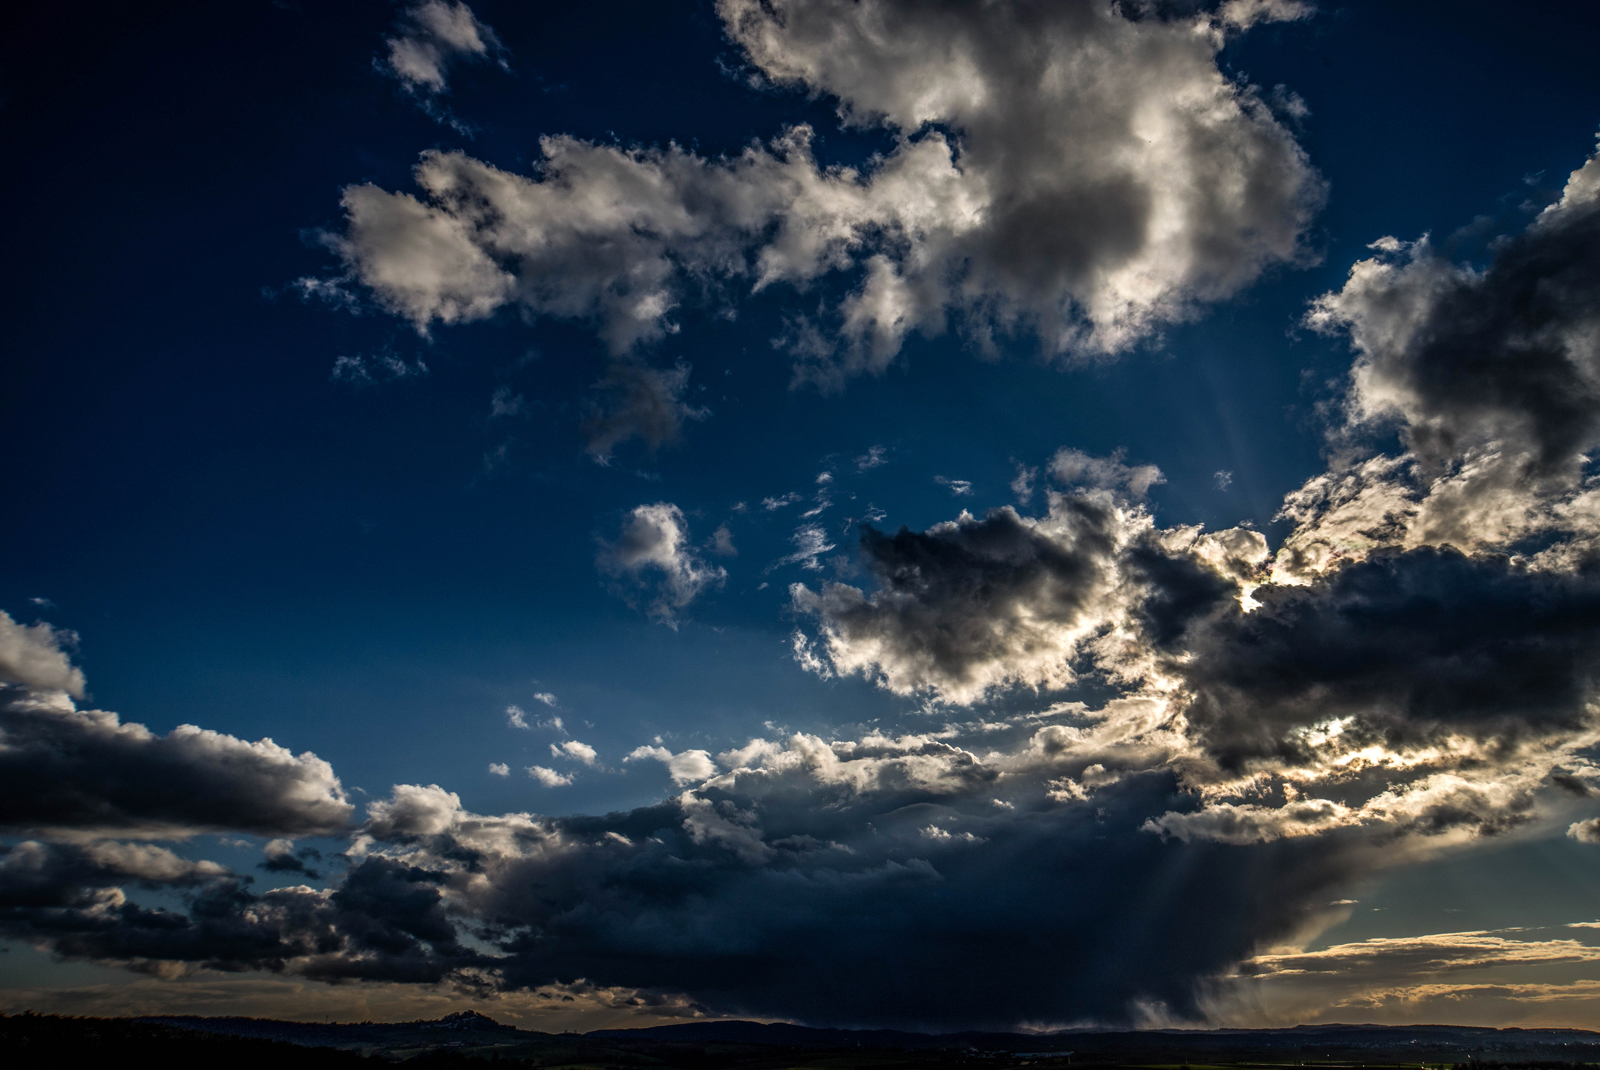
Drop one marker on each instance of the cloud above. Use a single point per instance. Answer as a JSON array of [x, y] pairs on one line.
[[1076, 468], [773, 504], [684, 767], [549, 777], [973, 605], [77, 772], [578, 752], [1406, 648], [875, 457], [641, 402], [371, 369], [1585, 831], [1022, 485], [499, 769], [433, 36], [1260, 732], [958, 487], [281, 857], [1064, 172], [503, 404], [1407, 974], [810, 542], [655, 542], [1492, 378], [1242, 14], [34, 656]]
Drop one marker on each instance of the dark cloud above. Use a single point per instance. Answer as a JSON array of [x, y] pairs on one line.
[[283, 858], [972, 604], [385, 921], [1409, 644], [1055, 914], [37, 875], [63, 768], [638, 402], [1506, 355]]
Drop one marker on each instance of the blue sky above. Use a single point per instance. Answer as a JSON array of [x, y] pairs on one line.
[[267, 482]]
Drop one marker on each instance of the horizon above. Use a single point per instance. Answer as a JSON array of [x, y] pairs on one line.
[[869, 513]]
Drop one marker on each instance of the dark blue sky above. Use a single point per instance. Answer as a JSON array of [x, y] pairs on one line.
[[374, 570]]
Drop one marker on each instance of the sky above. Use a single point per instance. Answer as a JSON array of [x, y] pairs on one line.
[[856, 512]]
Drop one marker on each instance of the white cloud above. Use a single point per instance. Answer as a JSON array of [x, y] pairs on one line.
[[685, 767], [1585, 831], [499, 769], [958, 487], [33, 655], [873, 458], [579, 752], [434, 35], [1242, 14], [655, 542], [1086, 179], [810, 542], [549, 777], [517, 717]]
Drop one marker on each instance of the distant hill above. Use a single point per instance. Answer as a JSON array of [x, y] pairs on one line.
[[1441, 1043], [467, 1038]]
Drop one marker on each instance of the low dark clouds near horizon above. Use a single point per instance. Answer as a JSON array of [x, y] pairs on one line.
[[1036, 743]]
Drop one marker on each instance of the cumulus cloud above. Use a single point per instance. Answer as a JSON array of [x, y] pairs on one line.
[[1585, 831], [434, 36], [83, 772], [654, 546], [685, 767], [1491, 377], [972, 605], [35, 656], [1057, 171], [638, 402], [549, 777], [578, 752]]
